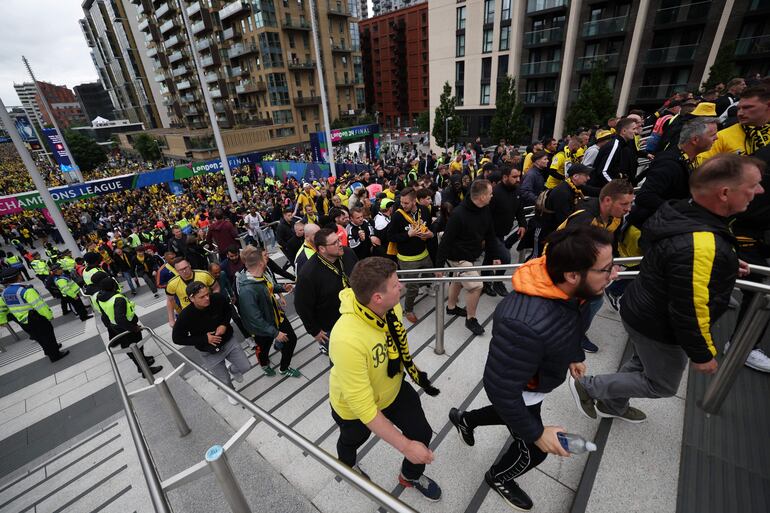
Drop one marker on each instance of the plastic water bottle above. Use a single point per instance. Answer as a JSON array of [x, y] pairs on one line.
[[575, 444]]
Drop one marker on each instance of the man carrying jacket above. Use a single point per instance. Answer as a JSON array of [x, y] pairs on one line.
[[535, 340], [684, 286], [470, 231]]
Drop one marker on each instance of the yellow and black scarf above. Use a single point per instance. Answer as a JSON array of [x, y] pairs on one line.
[[691, 164], [578, 196], [398, 346], [757, 137], [339, 272], [278, 314]]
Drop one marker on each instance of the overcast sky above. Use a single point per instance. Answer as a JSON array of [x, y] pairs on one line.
[[48, 34]]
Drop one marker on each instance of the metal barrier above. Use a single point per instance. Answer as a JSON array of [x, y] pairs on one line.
[[215, 459]]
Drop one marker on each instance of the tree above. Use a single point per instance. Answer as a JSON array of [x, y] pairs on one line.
[[423, 121], [147, 146], [446, 109], [87, 154], [595, 105], [508, 123], [723, 68]]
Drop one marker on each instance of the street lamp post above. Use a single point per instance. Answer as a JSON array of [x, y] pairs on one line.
[[446, 134]]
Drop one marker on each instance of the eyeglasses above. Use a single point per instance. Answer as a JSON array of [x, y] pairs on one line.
[[607, 271], [335, 243]]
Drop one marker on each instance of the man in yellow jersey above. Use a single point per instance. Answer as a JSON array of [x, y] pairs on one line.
[[176, 293], [562, 161], [367, 389]]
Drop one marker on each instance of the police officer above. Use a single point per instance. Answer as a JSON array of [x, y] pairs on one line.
[[40, 267], [93, 265], [70, 291], [118, 316], [34, 316], [15, 262], [67, 262]]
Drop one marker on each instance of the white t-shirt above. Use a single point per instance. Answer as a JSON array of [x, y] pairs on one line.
[[252, 223]]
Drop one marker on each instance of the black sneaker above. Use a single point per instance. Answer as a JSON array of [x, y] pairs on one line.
[[156, 369], [500, 288], [466, 433], [510, 492], [588, 346], [472, 324], [632, 415], [488, 289], [59, 356], [423, 484], [457, 310]]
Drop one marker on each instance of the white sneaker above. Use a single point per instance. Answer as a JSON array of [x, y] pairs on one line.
[[232, 401], [236, 376], [758, 360]]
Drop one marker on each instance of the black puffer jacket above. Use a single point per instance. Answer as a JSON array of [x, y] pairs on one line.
[[535, 336], [685, 280]]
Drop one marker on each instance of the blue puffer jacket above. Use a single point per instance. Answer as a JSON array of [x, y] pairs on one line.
[[535, 336]]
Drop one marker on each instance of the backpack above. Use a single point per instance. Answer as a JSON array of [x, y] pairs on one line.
[[540, 203], [657, 133]]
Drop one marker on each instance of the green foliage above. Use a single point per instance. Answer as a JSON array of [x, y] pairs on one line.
[[423, 121], [508, 122], [147, 147], [595, 105], [723, 68], [87, 154], [363, 119], [446, 109]]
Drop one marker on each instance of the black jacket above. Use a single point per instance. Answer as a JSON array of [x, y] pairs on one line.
[[284, 232], [685, 279], [316, 297], [399, 227], [534, 339], [193, 324], [560, 203], [470, 229], [506, 205], [616, 159], [668, 178]]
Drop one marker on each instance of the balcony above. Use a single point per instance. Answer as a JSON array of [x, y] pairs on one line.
[[173, 41], [231, 33], [604, 27], [194, 9], [178, 72], [219, 107], [210, 60], [211, 76], [540, 68], [697, 11], [203, 45], [143, 25], [163, 10], [341, 48], [160, 77], [545, 36], [531, 97], [297, 65], [752, 45], [169, 25], [251, 87], [241, 49], [188, 98], [237, 71], [659, 92], [295, 25], [338, 9], [184, 84], [152, 52], [192, 111], [201, 26], [238, 7], [671, 54], [215, 93], [349, 83], [305, 101], [176, 56], [534, 6], [610, 60]]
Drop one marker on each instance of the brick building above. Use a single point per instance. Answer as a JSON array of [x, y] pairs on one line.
[[395, 52], [64, 105]]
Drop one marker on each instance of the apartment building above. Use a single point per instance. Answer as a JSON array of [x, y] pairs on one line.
[[27, 94], [61, 100], [110, 30], [259, 66], [380, 7], [395, 51], [94, 101], [650, 49]]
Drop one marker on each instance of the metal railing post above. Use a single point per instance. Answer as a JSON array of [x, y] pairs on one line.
[[440, 294], [142, 363], [165, 393], [747, 334], [217, 461]]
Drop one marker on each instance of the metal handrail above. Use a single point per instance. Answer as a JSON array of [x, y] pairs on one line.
[[370, 489], [499, 267], [150, 472]]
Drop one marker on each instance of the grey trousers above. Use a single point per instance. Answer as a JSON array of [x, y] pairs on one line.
[[654, 371], [233, 353], [413, 288]]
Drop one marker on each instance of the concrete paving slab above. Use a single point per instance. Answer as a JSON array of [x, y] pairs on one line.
[[29, 418], [92, 386], [61, 388]]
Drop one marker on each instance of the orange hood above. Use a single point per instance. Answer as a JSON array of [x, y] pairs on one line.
[[532, 279]]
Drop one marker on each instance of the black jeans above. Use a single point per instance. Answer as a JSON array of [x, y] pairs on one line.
[[40, 330], [405, 412], [521, 456], [263, 346]]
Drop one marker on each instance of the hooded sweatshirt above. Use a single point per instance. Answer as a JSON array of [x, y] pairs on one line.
[[536, 334], [685, 279], [224, 235]]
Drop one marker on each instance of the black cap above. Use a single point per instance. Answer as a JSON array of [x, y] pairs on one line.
[[580, 168]]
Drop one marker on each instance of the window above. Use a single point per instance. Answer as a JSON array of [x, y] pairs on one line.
[[459, 72], [486, 44], [459, 95], [485, 94], [502, 67], [460, 45], [505, 11], [270, 48], [278, 89], [486, 69], [460, 18], [282, 117], [489, 11], [505, 38]]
